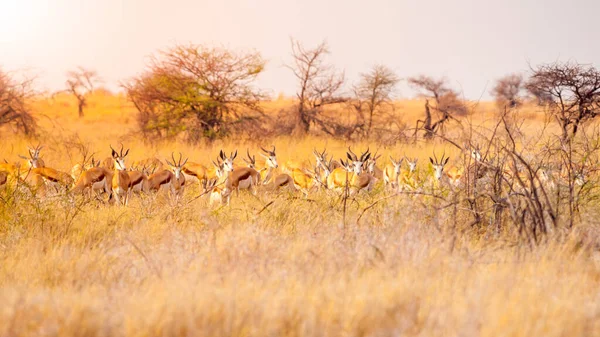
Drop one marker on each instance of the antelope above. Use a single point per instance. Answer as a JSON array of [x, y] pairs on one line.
[[305, 181], [138, 180], [408, 180], [352, 172], [97, 179], [34, 160], [120, 180], [54, 178], [197, 172], [178, 181], [438, 168], [270, 164], [392, 172], [372, 168], [79, 168], [151, 164], [280, 181], [239, 178], [216, 190]]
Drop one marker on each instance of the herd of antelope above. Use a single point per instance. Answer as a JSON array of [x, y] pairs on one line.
[[354, 174]]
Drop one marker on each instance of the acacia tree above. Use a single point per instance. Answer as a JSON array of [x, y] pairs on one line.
[[197, 91], [319, 84], [80, 83], [446, 104], [14, 110], [570, 91], [507, 91], [373, 94]]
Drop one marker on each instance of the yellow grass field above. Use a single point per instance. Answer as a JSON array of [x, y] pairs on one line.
[[276, 264]]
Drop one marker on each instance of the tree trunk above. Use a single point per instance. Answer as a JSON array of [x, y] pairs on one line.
[[427, 124], [80, 105]]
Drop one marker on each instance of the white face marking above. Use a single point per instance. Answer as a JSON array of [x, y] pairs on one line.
[[228, 165], [357, 167], [120, 164], [475, 154], [176, 171], [438, 171], [412, 166], [272, 162]]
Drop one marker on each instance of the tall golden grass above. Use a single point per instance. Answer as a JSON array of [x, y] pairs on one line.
[[295, 268]]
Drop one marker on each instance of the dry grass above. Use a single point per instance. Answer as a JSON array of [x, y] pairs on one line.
[[293, 269]]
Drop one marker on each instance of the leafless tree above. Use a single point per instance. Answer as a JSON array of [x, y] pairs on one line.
[[570, 91], [507, 91], [319, 84], [80, 83], [14, 109], [446, 104], [373, 94], [197, 91]]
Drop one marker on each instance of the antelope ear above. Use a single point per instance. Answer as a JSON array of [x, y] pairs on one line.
[[367, 157], [349, 156], [126, 152], [431, 160], [114, 154], [401, 160], [446, 161], [222, 155]]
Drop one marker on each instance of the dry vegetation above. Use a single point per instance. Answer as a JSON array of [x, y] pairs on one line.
[[277, 264]]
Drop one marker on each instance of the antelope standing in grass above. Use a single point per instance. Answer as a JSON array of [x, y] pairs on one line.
[[391, 173], [371, 167], [79, 168], [34, 160], [269, 166], [97, 179], [409, 179], [178, 181], [352, 171], [238, 178], [138, 180], [120, 180], [438, 168]]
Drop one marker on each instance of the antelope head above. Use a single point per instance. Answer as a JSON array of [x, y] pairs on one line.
[[438, 166], [218, 168], [397, 165], [326, 165], [412, 164], [176, 166], [476, 153], [357, 162], [119, 158], [372, 162], [34, 156], [320, 158], [270, 157], [251, 161], [227, 162]]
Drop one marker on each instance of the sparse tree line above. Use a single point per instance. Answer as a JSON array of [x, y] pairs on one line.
[[203, 93]]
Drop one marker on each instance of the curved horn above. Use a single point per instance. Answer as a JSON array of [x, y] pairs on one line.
[[262, 148], [273, 152], [352, 154]]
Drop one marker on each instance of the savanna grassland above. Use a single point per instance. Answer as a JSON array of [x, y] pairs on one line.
[[277, 264]]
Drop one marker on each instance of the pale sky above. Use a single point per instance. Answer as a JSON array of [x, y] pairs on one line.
[[472, 42]]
